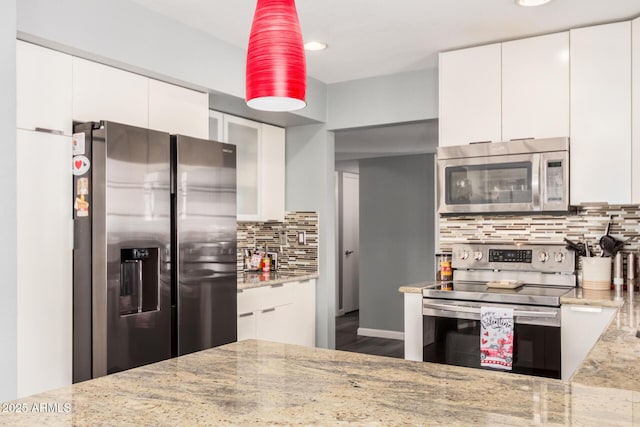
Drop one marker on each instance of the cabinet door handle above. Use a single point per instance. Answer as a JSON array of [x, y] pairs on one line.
[[268, 310], [246, 314], [53, 131], [277, 285]]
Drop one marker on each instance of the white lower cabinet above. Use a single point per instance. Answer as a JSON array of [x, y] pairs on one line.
[[581, 328], [247, 325], [413, 331], [275, 324], [281, 313]]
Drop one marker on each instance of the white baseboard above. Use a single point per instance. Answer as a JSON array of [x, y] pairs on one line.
[[381, 333]]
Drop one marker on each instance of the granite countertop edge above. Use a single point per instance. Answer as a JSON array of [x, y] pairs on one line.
[[256, 280]]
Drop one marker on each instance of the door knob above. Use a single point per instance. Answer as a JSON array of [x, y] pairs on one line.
[[347, 253]]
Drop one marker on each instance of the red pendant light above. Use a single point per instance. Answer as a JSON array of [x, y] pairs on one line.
[[276, 67]]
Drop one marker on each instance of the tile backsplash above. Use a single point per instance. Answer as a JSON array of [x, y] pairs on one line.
[[282, 237], [588, 223]]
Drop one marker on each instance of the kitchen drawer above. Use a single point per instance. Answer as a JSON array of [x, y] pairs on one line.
[[265, 297]]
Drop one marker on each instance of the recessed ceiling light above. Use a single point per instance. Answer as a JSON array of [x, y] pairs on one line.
[[531, 2], [315, 46]]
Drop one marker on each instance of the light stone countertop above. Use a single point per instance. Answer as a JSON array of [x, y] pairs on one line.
[[412, 289], [250, 280], [263, 383]]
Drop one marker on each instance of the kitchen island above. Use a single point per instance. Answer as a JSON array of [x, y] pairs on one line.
[[263, 383]]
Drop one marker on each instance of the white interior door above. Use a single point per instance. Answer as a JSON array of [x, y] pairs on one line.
[[350, 239]]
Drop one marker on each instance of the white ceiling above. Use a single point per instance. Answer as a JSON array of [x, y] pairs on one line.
[[377, 37], [370, 38]]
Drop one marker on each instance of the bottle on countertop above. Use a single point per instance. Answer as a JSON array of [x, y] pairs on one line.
[[444, 272], [256, 260], [266, 264]]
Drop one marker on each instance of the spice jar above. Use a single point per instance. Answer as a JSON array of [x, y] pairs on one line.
[[444, 272]]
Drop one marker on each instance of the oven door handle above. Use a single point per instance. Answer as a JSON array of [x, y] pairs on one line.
[[518, 313], [476, 310], [456, 308]]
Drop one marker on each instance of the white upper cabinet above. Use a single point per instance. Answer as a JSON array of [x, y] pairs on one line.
[[216, 131], [470, 95], [273, 173], [106, 93], [601, 114], [245, 135], [260, 168], [635, 101], [43, 86], [177, 110], [535, 87]]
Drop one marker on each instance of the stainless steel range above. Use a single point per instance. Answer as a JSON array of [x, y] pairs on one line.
[[530, 279]]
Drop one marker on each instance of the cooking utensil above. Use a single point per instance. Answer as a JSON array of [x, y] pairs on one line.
[[609, 244], [579, 248]]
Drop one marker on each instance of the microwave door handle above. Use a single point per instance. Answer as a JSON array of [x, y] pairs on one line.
[[535, 182]]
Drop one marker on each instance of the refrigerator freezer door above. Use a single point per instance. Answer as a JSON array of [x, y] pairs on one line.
[[205, 227], [131, 227]]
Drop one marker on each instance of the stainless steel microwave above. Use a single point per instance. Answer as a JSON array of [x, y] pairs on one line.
[[514, 176]]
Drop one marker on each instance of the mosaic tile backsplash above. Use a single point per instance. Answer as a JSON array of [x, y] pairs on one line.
[[587, 223], [282, 237]]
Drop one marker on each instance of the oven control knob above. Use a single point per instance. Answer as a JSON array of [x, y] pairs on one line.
[[477, 255], [559, 257], [543, 256], [464, 255]]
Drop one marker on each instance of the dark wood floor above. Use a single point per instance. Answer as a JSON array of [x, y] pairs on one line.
[[347, 339]]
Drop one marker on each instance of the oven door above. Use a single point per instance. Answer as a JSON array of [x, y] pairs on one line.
[[508, 183], [452, 336]]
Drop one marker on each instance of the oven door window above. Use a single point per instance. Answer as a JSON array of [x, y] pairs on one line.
[[498, 183], [450, 341]]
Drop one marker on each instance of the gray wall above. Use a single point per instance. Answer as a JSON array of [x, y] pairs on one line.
[[310, 187], [8, 221], [396, 234], [398, 98]]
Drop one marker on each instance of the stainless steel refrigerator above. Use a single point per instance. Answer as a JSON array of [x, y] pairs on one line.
[[154, 247]]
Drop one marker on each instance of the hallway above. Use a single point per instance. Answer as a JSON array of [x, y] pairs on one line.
[[347, 339]]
